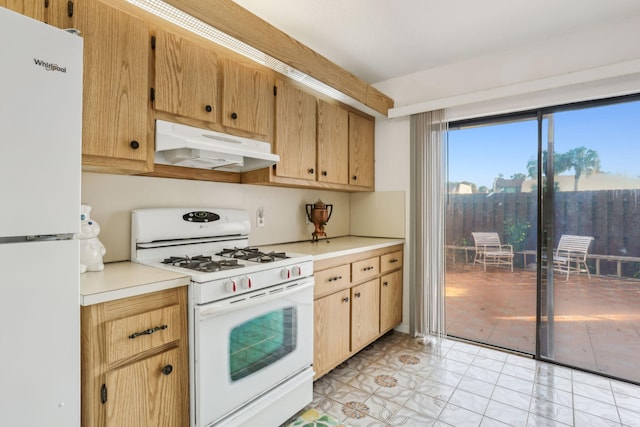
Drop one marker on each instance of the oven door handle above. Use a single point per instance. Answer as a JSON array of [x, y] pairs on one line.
[[254, 298]]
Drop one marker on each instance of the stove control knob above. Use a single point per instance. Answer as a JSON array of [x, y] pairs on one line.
[[285, 273], [296, 271], [231, 286], [245, 283]]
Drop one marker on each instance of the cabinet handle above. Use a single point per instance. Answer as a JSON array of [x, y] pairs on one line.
[[324, 173], [148, 331], [367, 268], [393, 260], [167, 370], [134, 144], [310, 170], [333, 279], [234, 116], [357, 295], [385, 283], [345, 299], [208, 108], [354, 177]]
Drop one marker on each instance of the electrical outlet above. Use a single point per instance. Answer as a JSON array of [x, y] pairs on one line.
[[260, 217]]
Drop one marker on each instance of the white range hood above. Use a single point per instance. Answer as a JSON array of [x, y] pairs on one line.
[[187, 146]]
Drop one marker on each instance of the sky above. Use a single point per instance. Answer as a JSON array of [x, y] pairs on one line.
[[479, 154]]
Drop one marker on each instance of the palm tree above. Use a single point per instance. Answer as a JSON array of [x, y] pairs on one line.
[[583, 161]]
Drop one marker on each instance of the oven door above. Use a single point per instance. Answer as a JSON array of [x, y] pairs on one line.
[[247, 345]]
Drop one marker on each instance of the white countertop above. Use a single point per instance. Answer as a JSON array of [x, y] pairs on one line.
[[333, 247], [126, 279]]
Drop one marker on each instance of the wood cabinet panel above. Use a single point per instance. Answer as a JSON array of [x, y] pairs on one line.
[[115, 126], [126, 337], [247, 99], [365, 314], [31, 8], [186, 77], [390, 300], [361, 151], [365, 269], [151, 392], [129, 373], [332, 280], [60, 13], [390, 261], [295, 132], [331, 330], [333, 143]]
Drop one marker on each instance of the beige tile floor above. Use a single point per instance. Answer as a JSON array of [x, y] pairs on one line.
[[404, 381]]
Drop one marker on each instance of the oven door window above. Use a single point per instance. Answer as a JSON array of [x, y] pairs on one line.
[[261, 341]]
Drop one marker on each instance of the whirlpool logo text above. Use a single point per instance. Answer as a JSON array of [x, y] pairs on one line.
[[49, 67]]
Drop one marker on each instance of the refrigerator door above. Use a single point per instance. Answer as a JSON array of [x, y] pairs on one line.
[[40, 127], [40, 334]]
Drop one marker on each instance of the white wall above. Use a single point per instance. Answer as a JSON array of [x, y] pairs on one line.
[[114, 196]]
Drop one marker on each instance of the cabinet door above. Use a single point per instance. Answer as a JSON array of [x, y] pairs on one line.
[[186, 77], [390, 300], [365, 314], [331, 331], [247, 100], [116, 89], [295, 139], [60, 13], [31, 8], [148, 393], [361, 151], [333, 143]]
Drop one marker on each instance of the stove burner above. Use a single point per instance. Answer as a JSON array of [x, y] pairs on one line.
[[252, 254], [202, 263]]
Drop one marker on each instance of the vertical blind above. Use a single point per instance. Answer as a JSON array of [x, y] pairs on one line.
[[427, 225]]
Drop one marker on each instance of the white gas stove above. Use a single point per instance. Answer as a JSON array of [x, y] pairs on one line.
[[250, 314]]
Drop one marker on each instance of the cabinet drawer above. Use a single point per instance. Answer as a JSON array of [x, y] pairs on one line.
[[365, 269], [331, 280], [132, 335], [390, 261]]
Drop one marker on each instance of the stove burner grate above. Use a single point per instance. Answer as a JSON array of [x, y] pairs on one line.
[[252, 254], [202, 263]]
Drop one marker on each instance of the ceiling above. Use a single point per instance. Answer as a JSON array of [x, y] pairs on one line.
[[377, 40]]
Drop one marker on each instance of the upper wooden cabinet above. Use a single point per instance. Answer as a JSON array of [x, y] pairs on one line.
[[295, 132], [333, 143], [186, 77], [361, 151], [32, 8], [247, 98], [116, 131], [58, 13]]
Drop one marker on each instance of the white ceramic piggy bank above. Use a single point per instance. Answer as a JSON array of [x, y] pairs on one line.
[[91, 249]]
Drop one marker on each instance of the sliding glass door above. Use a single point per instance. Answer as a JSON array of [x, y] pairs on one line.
[[561, 188], [592, 222], [491, 233]]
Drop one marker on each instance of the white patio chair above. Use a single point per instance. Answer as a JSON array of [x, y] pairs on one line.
[[490, 251], [571, 254]]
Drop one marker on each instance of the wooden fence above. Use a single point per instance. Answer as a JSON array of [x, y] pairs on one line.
[[612, 217]]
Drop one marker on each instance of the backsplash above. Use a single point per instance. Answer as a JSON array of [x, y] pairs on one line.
[[114, 196]]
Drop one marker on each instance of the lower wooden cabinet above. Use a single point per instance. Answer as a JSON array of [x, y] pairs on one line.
[[332, 331], [135, 361], [358, 298], [365, 314], [390, 300]]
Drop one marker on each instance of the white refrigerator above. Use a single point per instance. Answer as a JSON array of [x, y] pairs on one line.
[[40, 171]]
